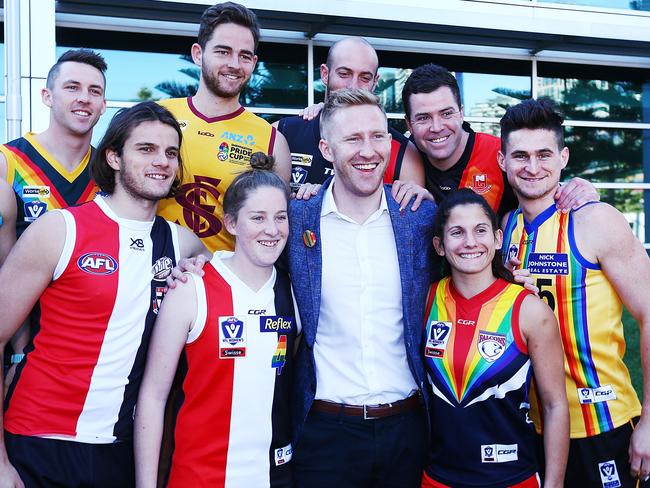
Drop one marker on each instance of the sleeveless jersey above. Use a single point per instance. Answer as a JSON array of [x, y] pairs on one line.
[[214, 151], [80, 378], [307, 162], [39, 181], [477, 169], [480, 372], [233, 427], [588, 310]]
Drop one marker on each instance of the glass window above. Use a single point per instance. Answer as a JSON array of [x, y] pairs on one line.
[[588, 92], [162, 68], [622, 4], [487, 86], [605, 155], [102, 125]]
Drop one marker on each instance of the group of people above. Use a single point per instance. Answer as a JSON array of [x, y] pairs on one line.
[[371, 331]]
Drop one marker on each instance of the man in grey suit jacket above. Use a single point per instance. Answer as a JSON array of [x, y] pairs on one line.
[[360, 267]]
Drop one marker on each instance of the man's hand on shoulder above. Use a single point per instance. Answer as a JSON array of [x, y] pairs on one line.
[[575, 193], [306, 191], [403, 192], [311, 112]]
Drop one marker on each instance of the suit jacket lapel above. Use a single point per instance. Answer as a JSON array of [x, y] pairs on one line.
[[404, 244]]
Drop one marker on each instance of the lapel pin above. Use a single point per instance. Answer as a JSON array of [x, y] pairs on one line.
[[309, 238]]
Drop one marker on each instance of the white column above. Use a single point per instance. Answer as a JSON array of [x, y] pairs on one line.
[[37, 52]]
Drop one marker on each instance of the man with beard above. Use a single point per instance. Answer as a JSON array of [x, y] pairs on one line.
[[351, 63], [220, 135], [98, 271]]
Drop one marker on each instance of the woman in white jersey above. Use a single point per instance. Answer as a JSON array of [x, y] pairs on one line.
[[234, 331]]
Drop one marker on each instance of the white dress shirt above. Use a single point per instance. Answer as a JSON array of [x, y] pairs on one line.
[[359, 350]]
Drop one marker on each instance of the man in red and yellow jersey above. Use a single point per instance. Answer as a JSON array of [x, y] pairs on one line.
[[457, 157], [219, 135], [584, 273], [50, 170]]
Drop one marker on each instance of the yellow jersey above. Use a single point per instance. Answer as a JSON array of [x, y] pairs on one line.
[[214, 151], [588, 310]]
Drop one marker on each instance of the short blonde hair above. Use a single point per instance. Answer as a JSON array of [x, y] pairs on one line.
[[349, 97]]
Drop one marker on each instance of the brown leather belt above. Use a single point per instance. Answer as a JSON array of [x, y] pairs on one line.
[[368, 412]]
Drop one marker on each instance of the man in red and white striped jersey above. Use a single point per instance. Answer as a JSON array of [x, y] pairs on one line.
[[98, 272]]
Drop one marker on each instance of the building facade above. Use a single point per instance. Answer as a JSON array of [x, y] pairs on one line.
[[591, 56]]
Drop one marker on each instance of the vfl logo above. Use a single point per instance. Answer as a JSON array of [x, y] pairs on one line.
[[439, 332], [136, 244], [298, 176], [198, 201], [162, 268], [437, 341], [609, 474], [97, 263], [34, 210], [489, 453], [491, 346], [249, 140], [513, 251], [222, 155], [233, 329]]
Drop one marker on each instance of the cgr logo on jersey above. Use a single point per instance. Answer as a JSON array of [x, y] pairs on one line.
[[437, 340], [609, 474], [97, 263], [603, 393], [36, 192], [232, 337], [298, 176], [249, 140], [162, 268], [466, 322], [499, 453], [34, 210], [491, 345]]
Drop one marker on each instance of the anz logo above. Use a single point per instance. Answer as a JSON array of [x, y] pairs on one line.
[[97, 263], [249, 140]]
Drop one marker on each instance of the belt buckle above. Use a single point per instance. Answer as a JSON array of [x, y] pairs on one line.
[[365, 413]]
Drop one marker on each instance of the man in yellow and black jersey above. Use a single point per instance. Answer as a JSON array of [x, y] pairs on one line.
[[583, 263], [219, 135]]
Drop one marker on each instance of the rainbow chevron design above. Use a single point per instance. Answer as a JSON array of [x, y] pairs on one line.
[[460, 376]]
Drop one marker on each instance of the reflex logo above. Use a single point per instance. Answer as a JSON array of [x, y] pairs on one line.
[[97, 263]]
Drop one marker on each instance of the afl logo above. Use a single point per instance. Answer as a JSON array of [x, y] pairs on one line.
[[162, 268], [97, 263]]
